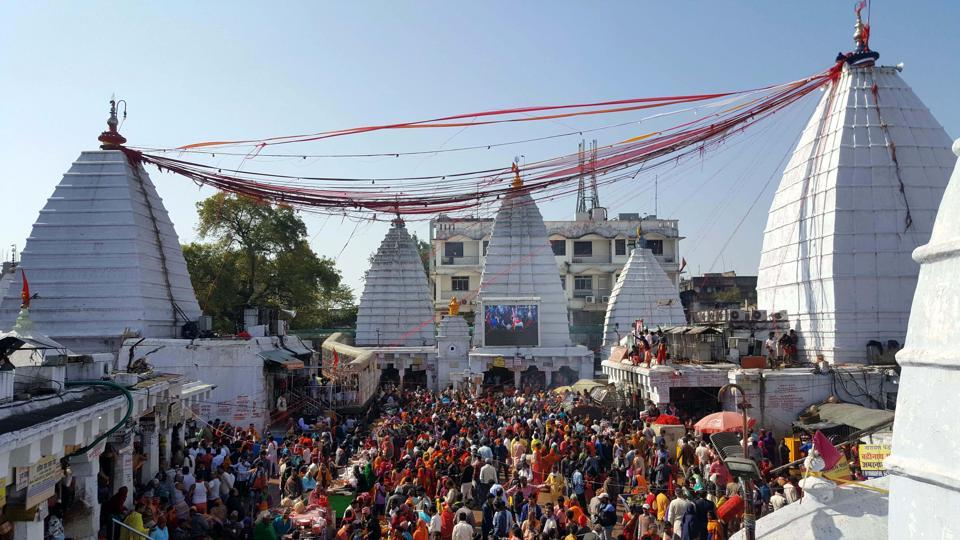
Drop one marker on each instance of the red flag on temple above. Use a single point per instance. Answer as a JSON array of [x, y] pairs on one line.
[[25, 293]]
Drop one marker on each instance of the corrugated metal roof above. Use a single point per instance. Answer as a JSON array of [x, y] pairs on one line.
[[854, 415], [282, 358]]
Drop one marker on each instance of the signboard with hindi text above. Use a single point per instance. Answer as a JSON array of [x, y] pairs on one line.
[[871, 459], [44, 476]]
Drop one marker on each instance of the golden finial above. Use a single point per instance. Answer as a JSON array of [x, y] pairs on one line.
[[517, 181], [454, 307], [112, 139]]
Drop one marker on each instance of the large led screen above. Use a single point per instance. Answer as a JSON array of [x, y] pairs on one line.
[[511, 325]]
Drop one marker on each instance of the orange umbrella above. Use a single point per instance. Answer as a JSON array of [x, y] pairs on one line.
[[722, 421]]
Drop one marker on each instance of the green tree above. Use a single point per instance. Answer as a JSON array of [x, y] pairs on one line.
[[425, 251], [258, 256]]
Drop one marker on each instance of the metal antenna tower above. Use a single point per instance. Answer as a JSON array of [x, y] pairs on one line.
[[595, 203], [581, 186]]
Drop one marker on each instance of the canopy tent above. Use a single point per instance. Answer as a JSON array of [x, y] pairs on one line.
[[722, 421], [281, 358]]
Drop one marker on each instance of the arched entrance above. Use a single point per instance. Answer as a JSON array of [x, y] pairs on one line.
[[415, 378], [565, 376], [532, 379], [498, 377], [390, 375]]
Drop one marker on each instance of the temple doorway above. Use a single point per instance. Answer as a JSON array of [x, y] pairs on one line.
[[532, 379], [415, 378], [565, 376], [390, 375], [695, 401], [498, 377]]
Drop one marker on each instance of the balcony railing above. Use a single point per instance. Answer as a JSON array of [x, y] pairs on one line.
[[591, 259], [459, 261], [597, 294]]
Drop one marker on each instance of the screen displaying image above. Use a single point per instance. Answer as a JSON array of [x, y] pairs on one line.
[[511, 325]]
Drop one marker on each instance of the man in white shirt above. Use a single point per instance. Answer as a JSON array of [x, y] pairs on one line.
[[462, 530], [678, 508], [435, 523], [188, 479], [770, 348], [778, 501], [488, 477], [790, 492], [227, 480]]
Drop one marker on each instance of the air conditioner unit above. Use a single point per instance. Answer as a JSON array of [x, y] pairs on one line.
[[205, 323], [779, 315], [735, 315], [604, 299], [590, 299], [758, 315], [447, 260]]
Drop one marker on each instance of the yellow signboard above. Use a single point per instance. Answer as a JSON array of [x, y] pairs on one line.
[[499, 362], [872, 456], [3, 491]]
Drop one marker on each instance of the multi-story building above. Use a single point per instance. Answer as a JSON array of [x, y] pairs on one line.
[[590, 253], [720, 290]]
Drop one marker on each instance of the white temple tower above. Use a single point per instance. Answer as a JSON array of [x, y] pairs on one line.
[[924, 483], [520, 270], [858, 196], [395, 308], [643, 291], [103, 258], [520, 264]]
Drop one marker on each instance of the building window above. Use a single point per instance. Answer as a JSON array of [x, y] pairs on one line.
[[486, 244], [656, 246], [460, 283], [620, 246], [559, 247], [583, 283], [582, 249], [453, 249]]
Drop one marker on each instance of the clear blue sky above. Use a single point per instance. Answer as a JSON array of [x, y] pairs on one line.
[[193, 71]]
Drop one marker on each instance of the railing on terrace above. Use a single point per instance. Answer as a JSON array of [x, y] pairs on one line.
[[597, 294], [459, 261], [601, 259]]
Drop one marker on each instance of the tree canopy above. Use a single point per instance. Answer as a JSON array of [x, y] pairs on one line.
[[258, 255]]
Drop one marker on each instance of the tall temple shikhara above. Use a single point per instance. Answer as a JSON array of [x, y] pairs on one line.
[[859, 194], [643, 291], [395, 307], [103, 257]]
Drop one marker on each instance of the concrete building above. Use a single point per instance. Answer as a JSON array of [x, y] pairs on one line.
[[776, 397], [719, 290], [104, 260], [248, 376], [857, 197], [643, 292], [68, 421], [923, 472], [589, 254]]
